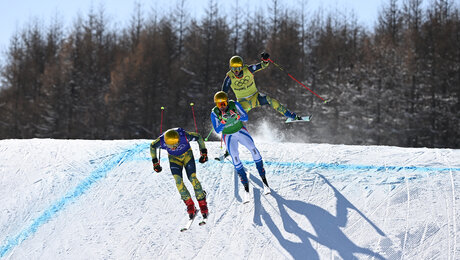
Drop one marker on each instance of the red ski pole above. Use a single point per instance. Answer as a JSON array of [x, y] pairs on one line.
[[194, 119], [281, 68]]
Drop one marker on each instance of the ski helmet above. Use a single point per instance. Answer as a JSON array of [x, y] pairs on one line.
[[171, 138], [221, 99], [236, 64]]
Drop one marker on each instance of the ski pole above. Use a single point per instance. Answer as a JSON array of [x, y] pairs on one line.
[[281, 68], [206, 139], [194, 119], [161, 122], [161, 131]]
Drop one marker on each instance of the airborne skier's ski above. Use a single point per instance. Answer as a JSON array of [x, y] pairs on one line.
[[302, 119]]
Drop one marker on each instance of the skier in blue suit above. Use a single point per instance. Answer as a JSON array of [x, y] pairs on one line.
[[228, 117], [176, 142]]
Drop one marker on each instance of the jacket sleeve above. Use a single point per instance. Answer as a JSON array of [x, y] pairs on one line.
[[226, 85], [216, 124], [192, 136], [153, 148], [243, 115], [258, 67]]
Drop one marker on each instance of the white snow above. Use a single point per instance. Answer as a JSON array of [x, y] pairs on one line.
[[86, 199]]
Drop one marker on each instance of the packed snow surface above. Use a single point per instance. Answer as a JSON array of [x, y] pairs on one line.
[[86, 199]]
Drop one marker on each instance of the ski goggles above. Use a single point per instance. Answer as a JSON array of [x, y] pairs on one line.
[[172, 146], [221, 104], [236, 69]]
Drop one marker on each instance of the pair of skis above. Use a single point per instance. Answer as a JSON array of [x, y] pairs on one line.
[[190, 222]]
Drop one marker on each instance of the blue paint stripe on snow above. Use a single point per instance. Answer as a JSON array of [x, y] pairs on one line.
[[341, 167], [332, 166], [70, 197]]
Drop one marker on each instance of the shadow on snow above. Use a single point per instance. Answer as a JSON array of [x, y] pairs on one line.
[[327, 226]]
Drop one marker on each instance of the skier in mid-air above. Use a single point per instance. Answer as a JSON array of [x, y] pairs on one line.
[[176, 142], [228, 117], [240, 78]]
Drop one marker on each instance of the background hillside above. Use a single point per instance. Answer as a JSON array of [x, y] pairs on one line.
[[396, 83]]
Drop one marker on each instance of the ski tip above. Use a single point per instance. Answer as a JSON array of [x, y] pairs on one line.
[[183, 229]]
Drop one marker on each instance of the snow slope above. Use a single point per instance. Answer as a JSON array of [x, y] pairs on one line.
[[82, 199]]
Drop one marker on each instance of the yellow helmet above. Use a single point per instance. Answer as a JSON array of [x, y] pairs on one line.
[[236, 64], [171, 138], [221, 99]]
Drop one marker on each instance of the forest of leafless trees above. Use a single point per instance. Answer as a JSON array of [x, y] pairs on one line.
[[396, 82]]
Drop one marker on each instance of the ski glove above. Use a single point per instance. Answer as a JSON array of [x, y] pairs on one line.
[[156, 165], [204, 155], [265, 56]]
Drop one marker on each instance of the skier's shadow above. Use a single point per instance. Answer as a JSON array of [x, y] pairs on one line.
[[327, 227]]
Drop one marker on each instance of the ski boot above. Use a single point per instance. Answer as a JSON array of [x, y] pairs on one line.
[[191, 210], [246, 195], [203, 207], [266, 187], [264, 180], [246, 187], [260, 168], [295, 117]]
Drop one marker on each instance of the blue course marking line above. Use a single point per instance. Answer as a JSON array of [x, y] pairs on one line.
[[335, 166], [70, 197], [341, 167]]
